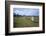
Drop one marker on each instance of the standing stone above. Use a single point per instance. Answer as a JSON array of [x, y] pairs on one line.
[[32, 18]]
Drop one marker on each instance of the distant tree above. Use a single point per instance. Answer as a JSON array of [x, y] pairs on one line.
[[16, 15]]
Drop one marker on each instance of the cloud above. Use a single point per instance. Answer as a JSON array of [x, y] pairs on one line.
[[27, 11]]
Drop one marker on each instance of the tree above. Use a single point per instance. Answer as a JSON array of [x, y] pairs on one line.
[[14, 14]]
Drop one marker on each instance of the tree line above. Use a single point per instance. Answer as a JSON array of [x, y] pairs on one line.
[[16, 14]]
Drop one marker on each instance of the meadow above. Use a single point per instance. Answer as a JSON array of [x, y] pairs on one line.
[[25, 21]]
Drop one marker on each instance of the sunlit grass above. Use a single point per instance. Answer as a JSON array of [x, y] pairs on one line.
[[25, 22]]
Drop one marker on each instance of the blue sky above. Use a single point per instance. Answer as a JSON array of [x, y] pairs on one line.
[[26, 11]]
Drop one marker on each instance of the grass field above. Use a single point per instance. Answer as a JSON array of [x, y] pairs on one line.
[[26, 21]]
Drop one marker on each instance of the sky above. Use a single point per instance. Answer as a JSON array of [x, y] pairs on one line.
[[26, 11]]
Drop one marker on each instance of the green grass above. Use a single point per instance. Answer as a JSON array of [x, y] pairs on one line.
[[25, 22]]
